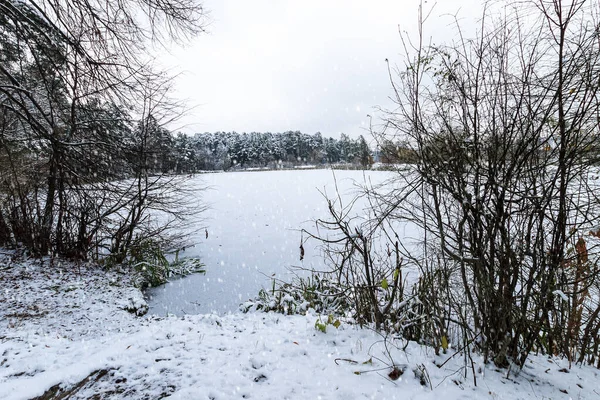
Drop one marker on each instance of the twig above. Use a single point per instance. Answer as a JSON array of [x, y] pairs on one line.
[[459, 351], [345, 359]]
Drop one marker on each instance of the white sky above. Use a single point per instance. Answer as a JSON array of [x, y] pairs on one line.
[[278, 65]]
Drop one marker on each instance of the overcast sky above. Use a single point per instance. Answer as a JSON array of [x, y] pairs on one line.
[[310, 65]]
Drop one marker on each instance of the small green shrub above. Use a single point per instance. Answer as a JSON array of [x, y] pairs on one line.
[[148, 259], [154, 269], [301, 294], [322, 326]]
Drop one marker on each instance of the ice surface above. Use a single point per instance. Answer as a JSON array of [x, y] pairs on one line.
[[254, 234]]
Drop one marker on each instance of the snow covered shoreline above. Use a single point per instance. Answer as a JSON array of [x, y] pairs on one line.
[[65, 327]]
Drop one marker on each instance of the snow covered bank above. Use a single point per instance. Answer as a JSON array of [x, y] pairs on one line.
[[62, 324]]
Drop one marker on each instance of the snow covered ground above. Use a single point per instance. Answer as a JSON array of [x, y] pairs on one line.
[[65, 326], [83, 332]]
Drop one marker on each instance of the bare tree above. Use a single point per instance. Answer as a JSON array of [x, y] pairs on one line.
[[366, 264], [73, 77], [503, 125]]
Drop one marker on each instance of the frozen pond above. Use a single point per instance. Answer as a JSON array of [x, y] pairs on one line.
[[254, 224]]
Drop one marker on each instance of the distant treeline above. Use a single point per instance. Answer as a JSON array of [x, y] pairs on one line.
[[227, 150]]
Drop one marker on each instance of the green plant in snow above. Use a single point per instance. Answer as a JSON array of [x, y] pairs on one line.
[[314, 292], [185, 266], [322, 326], [149, 260]]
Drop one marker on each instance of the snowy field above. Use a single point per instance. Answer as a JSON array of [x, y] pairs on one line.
[[76, 332], [65, 330], [254, 224]]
